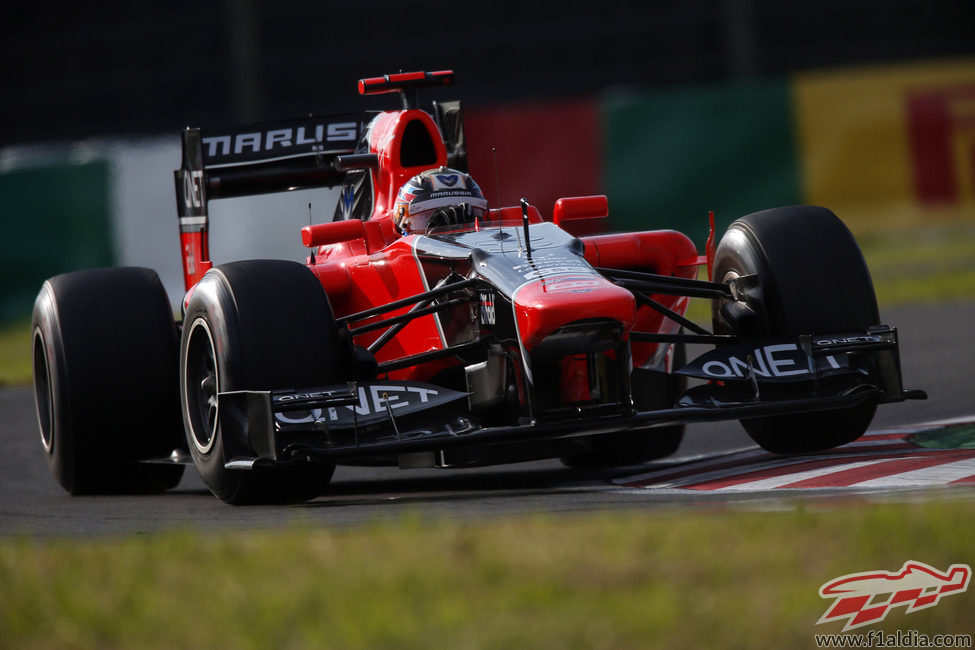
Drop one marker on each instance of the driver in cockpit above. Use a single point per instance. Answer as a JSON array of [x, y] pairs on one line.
[[438, 197]]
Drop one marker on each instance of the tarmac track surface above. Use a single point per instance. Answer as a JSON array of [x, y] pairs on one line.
[[717, 464]]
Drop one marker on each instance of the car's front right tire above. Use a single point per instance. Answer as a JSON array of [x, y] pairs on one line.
[[810, 278]]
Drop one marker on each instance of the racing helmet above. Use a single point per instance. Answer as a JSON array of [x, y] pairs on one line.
[[438, 197]]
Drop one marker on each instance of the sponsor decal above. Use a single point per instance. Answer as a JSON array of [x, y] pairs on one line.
[[570, 284], [445, 180], [190, 262], [775, 362], [839, 341], [547, 266], [488, 315], [449, 193], [346, 201], [939, 125], [896, 137], [278, 139], [375, 402], [866, 598], [192, 190]]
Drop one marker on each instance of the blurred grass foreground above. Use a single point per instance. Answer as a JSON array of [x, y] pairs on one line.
[[703, 577]]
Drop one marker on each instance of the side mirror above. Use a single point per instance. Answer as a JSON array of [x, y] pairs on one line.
[[581, 215], [334, 232]]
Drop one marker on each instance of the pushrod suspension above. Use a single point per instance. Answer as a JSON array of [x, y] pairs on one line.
[[420, 297]]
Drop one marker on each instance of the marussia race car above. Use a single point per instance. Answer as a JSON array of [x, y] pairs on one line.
[[456, 337]]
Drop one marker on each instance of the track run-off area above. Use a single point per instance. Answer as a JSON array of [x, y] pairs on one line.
[[910, 457]]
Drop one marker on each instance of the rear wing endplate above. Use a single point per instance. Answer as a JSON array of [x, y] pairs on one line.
[[259, 159]]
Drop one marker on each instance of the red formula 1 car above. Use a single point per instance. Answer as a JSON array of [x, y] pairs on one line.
[[427, 329]]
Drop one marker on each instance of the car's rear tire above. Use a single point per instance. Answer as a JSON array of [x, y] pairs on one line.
[[254, 325], [652, 390], [104, 351], [811, 279]]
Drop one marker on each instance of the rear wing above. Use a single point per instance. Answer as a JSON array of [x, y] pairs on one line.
[[256, 159], [259, 159], [295, 154]]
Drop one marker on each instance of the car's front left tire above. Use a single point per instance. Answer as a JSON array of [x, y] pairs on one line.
[[254, 325]]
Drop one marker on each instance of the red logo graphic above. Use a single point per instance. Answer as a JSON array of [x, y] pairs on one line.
[[941, 133], [865, 598]]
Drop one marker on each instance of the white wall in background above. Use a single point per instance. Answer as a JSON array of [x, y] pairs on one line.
[[144, 209], [147, 229]]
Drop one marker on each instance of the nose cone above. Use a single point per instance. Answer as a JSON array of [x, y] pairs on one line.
[[548, 304]]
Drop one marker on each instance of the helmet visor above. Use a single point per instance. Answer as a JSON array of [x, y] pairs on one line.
[[444, 212]]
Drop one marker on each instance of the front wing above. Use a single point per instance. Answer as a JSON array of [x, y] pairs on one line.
[[354, 422]]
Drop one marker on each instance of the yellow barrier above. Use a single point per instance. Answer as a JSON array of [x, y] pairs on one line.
[[889, 146]]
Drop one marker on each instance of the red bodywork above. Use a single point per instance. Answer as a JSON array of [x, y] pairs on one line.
[[364, 264], [379, 266]]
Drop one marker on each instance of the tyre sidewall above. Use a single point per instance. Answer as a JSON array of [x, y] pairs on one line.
[[812, 279], [812, 275], [272, 327], [212, 307], [107, 341], [51, 400]]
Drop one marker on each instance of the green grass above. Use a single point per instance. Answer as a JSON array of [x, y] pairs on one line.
[[15, 362], [706, 577], [933, 264]]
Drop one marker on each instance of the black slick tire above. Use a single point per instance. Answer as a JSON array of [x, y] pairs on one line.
[[104, 350], [811, 279], [254, 325]]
